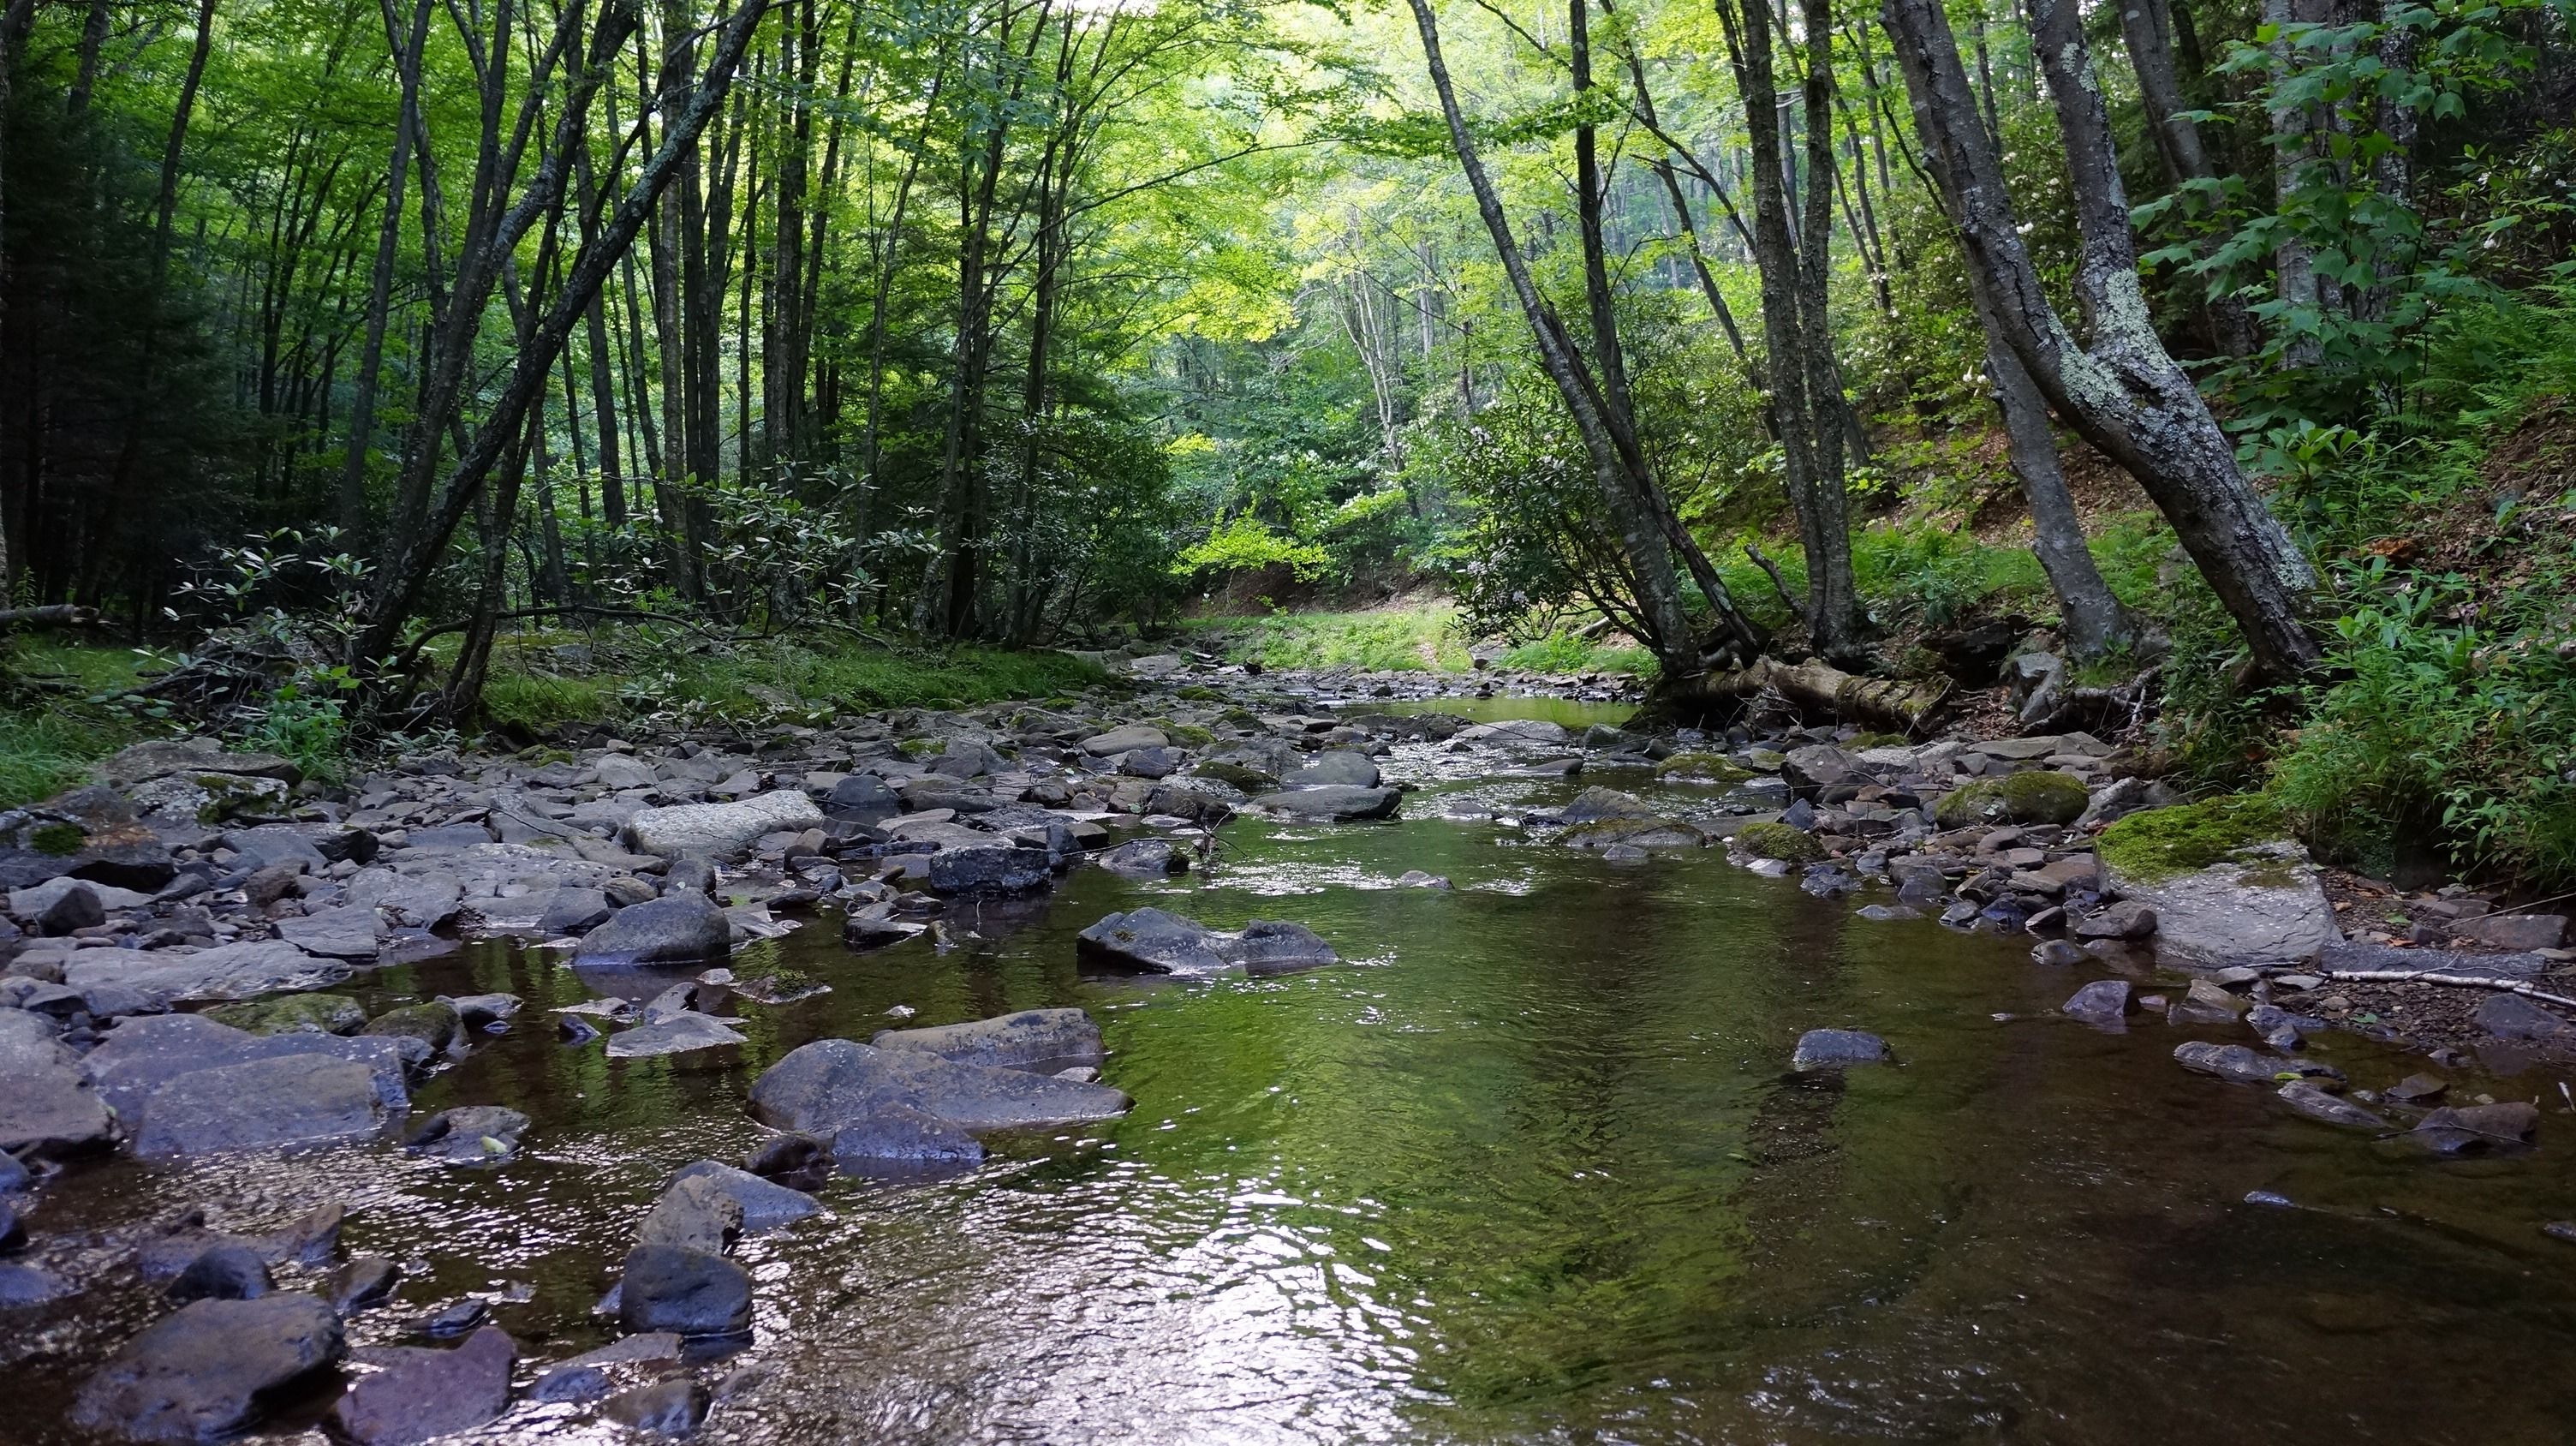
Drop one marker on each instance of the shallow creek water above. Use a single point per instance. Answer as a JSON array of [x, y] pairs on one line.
[[1526, 1169]]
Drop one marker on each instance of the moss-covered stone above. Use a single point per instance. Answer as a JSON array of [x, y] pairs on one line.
[[2162, 842], [59, 839], [1198, 693], [1703, 768], [2032, 796], [1862, 742], [435, 1023], [1779, 841], [295, 1014], [1188, 734]]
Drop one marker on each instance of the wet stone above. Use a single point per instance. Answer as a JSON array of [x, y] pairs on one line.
[[686, 1292], [200, 1374], [423, 1394], [673, 1407], [1837, 1048]]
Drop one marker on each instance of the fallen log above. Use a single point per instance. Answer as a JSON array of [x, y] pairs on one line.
[[1895, 705], [52, 615]]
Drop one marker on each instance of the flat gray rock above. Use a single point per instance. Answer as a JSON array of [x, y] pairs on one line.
[[343, 933], [421, 900], [684, 927], [200, 1374], [828, 1085], [678, 1034], [1042, 1041], [262, 1104], [1119, 740], [421, 1394], [228, 971], [142, 1054], [1836, 1049], [1164, 943], [1338, 766], [719, 830]]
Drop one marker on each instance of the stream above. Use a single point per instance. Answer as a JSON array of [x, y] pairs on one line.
[[1527, 1168]]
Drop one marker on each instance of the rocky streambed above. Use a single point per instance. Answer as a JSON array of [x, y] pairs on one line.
[[944, 1076]]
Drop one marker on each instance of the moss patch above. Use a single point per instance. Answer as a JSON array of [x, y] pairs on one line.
[[1779, 841], [2034, 796], [1248, 779], [1703, 768], [2163, 842], [295, 1014], [58, 839]]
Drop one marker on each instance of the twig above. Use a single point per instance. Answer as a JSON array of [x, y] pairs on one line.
[[1782, 588], [2409, 976]]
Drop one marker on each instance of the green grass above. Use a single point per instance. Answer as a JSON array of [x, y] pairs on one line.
[[1419, 639], [49, 740]]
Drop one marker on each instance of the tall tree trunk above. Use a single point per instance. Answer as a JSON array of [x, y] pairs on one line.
[[1659, 601], [2122, 392], [380, 283]]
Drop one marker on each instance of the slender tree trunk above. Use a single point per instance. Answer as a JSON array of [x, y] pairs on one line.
[[380, 285], [2122, 392]]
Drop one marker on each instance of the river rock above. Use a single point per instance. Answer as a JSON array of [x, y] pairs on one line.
[[573, 911], [1837, 1048], [672, 1407], [1333, 803], [1144, 858], [1151, 939], [720, 830], [678, 1034], [199, 1375], [685, 1292], [1041, 1041], [142, 1056], [2514, 931], [2124, 919], [2316, 1104], [681, 927], [222, 1272], [422, 900], [291, 1100], [423, 1394], [470, 1135], [984, 869], [764, 1204], [293, 1014], [164, 757], [831, 1084], [1272, 946], [435, 1024], [1339, 766], [2469, 1129], [2104, 1001], [228, 971], [2266, 911], [2510, 1016], [368, 1280], [1120, 740], [2239, 1064], [902, 1139], [694, 1213], [46, 1108]]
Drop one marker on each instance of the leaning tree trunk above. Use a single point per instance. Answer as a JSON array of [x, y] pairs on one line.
[[1659, 597], [2122, 392], [1815, 690]]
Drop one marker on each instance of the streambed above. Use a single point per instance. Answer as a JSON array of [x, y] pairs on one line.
[[1528, 1168]]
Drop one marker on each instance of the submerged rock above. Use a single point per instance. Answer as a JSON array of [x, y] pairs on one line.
[[470, 1135], [831, 1085], [2316, 1104], [1836, 1048], [1042, 1041], [199, 1375], [1165, 943], [673, 1407], [2471, 1129]]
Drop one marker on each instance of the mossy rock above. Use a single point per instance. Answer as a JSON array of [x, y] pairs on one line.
[[1250, 780], [295, 1014], [1239, 718], [1645, 833], [1779, 841], [436, 1024], [2036, 795], [1703, 768], [2160, 843], [1199, 693], [916, 747], [58, 839], [1186, 734], [1862, 742], [778, 985]]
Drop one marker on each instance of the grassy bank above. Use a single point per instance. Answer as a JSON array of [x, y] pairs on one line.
[[1412, 638]]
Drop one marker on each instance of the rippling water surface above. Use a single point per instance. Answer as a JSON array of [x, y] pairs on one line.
[[1528, 1169]]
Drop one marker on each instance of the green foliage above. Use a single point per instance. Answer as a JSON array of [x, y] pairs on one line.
[[1246, 545], [1416, 639], [2159, 843]]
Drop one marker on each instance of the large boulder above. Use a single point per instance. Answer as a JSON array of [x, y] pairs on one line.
[[720, 830], [165, 757], [682, 1291], [831, 1084], [684, 927], [1333, 803], [2265, 908], [227, 971], [2031, 796], [1042, 1041], [201, 1374], [421, 1394], [45, 1106], [262, 1104]]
